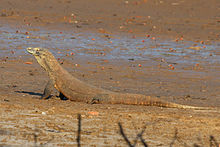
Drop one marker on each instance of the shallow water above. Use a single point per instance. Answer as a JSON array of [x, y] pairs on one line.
[[106, 47]]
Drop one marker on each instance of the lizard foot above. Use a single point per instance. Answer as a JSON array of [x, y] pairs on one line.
[[62, 97], [95, 100], [45, 97]]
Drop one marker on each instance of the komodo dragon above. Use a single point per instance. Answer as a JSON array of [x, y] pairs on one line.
[[76, 90]]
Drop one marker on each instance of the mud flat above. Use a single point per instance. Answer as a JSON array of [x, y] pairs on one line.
[[167, 49]]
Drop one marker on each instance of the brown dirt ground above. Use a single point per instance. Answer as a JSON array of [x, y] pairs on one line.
[[27, 121]]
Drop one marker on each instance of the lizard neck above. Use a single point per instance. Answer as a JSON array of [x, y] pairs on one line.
[[50, 65]]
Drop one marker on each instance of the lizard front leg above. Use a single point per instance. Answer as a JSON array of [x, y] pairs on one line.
[[48, 90]]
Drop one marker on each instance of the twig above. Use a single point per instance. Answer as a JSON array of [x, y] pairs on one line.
[[35, 140], [213, 141], [174, 138], [196, 145], [79, 130], [139, 135], [141, 138], [124, 136]]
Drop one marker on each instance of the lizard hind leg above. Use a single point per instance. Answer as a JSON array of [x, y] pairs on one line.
[[48, 90], [62, 97]]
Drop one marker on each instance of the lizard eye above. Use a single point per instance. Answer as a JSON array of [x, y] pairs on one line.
[[37, 53]]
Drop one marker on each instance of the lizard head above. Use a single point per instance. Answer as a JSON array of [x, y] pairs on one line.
[[37, 51], [43, 56]]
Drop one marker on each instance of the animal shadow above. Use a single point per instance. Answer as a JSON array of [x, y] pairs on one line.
[[30, 93]]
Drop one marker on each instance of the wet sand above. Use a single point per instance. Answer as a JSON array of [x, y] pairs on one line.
[[169, 49]]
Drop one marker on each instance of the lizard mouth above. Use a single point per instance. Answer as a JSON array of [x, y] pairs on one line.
[[33, 51]]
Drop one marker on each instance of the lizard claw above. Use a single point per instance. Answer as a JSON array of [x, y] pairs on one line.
[[45, 97], [95, 100]]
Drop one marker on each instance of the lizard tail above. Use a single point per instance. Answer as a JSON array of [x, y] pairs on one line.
[[138, 99]]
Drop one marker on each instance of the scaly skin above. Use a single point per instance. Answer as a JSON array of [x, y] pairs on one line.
[[76, 90]]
